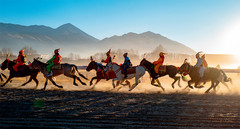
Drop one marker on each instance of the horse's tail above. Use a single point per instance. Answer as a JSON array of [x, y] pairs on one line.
[[79, 72], [226, 78]]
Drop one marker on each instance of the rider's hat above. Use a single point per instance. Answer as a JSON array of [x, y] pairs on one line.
[[125, 54], [162, 53], [108, 52], [91, 58], [198, 54], [56, 50], [21, 52]]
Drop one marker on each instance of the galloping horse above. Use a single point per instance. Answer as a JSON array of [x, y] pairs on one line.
[[170, 70], [23, 72], [136, 72], [214, 75], [100, 75], [66, 69]]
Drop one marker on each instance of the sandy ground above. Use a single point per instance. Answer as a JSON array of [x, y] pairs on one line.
[[102, 107]]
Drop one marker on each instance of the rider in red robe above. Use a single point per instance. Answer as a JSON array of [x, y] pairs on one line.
[[107, 61], [159, 62], [21, 60]]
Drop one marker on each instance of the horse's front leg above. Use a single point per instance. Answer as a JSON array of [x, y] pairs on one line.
[[9, 78], [92, 80]]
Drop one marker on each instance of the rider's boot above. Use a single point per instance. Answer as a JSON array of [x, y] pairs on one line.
[[125, 76], [50, 74]]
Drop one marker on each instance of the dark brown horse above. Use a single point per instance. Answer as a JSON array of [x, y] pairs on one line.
[[214, 75], [171, 71], [23, 72], [100, 75], [66, 69]]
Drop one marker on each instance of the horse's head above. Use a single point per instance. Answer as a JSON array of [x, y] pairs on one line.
[[5, 64], [146, 63], [142, 62], [185, 68], [91, 65]]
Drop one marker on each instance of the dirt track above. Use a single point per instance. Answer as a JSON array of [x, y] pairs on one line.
[[91, 109]]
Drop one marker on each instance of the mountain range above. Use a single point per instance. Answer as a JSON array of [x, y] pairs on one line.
[[73, 40]]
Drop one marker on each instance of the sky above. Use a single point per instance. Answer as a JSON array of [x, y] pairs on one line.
[[211, 26]]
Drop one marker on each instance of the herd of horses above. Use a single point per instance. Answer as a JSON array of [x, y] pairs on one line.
[[214, 75]]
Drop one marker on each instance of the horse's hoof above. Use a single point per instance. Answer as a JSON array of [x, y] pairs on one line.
[[190, 87], [75, 84], [60, 86], [84, 83], [199, 86], [173, 86]]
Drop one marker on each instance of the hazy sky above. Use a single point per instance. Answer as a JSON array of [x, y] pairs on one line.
[[212, 26]]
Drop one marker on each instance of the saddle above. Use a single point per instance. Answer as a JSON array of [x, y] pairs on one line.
[[163, 68], [57, 67], [130, 70], [23, 67]]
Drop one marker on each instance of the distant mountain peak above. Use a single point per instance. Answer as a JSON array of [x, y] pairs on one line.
[[68, 27]]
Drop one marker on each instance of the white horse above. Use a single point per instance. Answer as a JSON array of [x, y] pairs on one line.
[[136, 72]]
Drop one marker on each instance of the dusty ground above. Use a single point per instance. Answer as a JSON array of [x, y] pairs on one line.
[[145, 107]]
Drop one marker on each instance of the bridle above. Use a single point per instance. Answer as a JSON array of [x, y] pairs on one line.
[[189, 69]]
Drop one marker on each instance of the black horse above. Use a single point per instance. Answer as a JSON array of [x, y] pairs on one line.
[[214, 75], [171, 70], [22, 72], [66, 69]]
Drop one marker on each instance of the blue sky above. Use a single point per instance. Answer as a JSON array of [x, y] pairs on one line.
[[199, 24]]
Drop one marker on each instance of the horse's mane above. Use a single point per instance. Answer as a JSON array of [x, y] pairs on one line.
[[40, 62], [148, 61]]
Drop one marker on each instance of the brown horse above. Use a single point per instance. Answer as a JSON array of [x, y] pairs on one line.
[[23, 72], [66, 69], [171, 71], [214, 75], [100, 75]]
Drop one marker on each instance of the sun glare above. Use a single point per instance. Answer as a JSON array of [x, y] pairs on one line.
[[230, 39]]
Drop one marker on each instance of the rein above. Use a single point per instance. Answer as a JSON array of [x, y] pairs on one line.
[[189, 70]]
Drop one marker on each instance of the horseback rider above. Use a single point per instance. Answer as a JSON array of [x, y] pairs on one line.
[[159, 62], [107, 61], [199, 65], [127, 63], [55, 60], [205, 64], [21, 60]]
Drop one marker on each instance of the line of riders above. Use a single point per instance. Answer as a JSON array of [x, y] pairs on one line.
[[156, 67], [56, 59]]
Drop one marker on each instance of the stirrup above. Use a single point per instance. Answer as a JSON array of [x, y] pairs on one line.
[[50, 74]]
